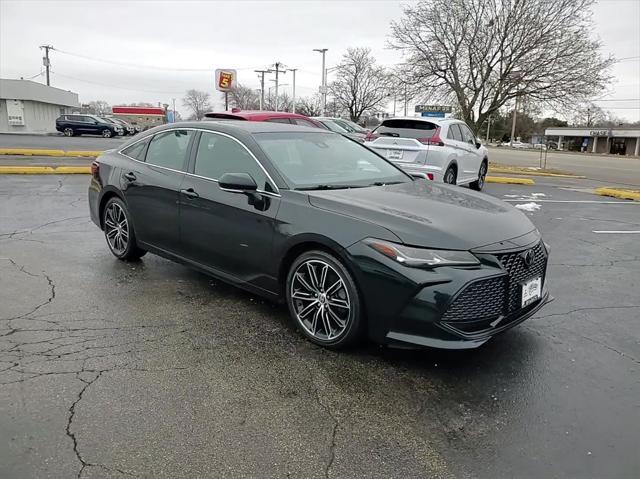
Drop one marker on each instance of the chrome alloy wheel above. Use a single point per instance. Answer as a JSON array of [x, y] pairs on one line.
[[320, 300], [116, 228], [482, 175]]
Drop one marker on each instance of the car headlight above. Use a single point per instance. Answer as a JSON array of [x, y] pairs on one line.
[[422, 257]]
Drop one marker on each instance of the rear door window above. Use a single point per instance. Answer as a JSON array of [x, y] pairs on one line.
[[136, 151], [169, 149], [407, 128]]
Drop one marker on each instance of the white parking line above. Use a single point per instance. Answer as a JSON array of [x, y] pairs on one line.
[[621, 232]]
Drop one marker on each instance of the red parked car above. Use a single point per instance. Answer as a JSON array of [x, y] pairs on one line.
[[272, 116]]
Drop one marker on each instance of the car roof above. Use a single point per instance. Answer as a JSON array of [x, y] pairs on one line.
[[437, 121], [253, 115]]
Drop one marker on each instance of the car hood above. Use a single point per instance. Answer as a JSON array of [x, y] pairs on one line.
[[422, 213]]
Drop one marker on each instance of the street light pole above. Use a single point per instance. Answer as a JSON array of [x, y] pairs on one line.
[[294, 87], [323, 89], [513, 123]]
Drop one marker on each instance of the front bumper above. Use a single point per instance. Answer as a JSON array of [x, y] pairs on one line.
[[412, 307]]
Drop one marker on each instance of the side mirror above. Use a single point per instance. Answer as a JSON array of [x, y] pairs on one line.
[[237, 182], [478, 144]]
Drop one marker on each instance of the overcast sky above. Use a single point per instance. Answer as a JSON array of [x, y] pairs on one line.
[[164, 41]]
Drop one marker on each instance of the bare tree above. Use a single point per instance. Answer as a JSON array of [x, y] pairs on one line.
[[481, 54], [244, 98], [285, 102], [589, 115], [99, 107], [197, 102], [361, 85], [309, 105]]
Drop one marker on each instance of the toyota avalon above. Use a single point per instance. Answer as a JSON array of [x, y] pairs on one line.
[[354, 246]]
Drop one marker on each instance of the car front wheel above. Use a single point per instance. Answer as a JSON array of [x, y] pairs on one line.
[[118, 231], [106, 133], [323, 300]]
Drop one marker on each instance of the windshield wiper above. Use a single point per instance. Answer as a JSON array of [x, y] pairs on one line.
[[385, 183], [328, 187]]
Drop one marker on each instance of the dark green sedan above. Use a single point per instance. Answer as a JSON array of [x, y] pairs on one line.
[[353, 245]]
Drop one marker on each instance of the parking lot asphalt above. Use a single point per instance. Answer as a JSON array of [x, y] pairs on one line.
[[84, 142], [150, 369]]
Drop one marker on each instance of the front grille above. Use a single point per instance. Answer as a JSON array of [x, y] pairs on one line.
[[483, 301], [518, 273]]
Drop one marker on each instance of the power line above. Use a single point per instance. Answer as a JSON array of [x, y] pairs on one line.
[[143, 67], [116, 86]]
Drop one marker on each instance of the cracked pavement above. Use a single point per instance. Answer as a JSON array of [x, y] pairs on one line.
[[149, 369]]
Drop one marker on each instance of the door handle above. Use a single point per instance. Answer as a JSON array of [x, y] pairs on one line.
[[190, 193], [130, 176]]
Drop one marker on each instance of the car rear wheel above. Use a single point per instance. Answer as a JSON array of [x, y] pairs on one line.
[[118, 231], [323, 300], [450, 175], [106, 133], [68, 132], [482, 174]]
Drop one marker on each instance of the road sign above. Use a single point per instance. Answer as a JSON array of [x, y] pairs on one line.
[[438, 108], [433, 114], [226, 79]]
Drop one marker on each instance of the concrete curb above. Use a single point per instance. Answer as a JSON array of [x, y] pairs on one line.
[[45, 170], [48, 152], [621, 193], [505, 180], [525, 172]]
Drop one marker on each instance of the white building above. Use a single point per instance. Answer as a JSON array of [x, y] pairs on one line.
[[30, 107], [615, 141]]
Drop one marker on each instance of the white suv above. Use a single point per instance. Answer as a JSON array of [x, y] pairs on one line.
[[438, 149]]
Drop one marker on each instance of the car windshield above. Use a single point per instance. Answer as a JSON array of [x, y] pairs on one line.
[[350, 126], [333, 126], [326, 161]]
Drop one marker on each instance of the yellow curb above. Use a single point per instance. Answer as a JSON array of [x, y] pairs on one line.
[[46, 152], [44, 170], [509, 181], [622, 193], [82, 153], [517, 171], [30, 152]]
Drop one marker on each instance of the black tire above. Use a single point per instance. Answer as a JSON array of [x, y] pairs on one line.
[[106, 133], [68, 132], [450, 175], [482, 174], [346, 293], [129, 249]]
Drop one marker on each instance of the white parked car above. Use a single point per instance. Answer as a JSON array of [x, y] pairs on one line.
[[439, 149]]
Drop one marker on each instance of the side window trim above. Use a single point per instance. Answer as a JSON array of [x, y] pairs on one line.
[[192, 165]]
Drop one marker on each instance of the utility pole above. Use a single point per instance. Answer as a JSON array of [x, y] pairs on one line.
[[323, 88], [294, 87], [45, 60], [261, 72], [488, 127], [513, 123], [175, 118], [277, 71]]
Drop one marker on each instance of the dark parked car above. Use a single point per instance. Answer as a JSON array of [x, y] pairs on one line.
[[128, 128], [351, 243], [77, 124]]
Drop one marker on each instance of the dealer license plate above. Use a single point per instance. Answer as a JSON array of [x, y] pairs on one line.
[[394, 154], [531, 291]]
